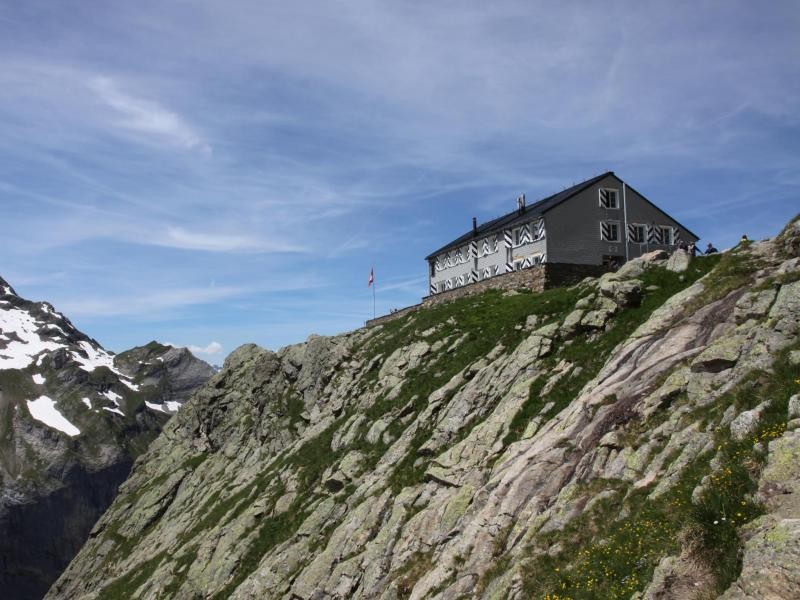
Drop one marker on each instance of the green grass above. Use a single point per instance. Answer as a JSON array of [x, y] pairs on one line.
[[591, 353], [487, 320], [414, 568], [609, 557], [588, 568], [180, 570], [272, 531], [733, 270], [490, 319], [125, 585], [17, 384]]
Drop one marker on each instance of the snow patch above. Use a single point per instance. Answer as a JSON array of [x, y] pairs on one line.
[[172, 406], [87, 402], [158, 407], [57, 328], [38, 379], [113, 396], [130, 384], [46, 308], [95, 357], [44, 409], [23, 347]]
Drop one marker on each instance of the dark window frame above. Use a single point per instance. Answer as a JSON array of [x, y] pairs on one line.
[[611, 191]]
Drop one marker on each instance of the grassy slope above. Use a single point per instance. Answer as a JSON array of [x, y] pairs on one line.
[[607, 557], [602, 557]]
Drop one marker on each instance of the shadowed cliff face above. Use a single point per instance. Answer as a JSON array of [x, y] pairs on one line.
[[618, 439], [39, 538], [72, 419]]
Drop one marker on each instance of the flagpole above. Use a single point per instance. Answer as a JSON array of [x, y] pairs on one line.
[[373, 292]]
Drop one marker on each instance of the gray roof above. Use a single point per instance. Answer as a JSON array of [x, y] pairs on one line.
[[536, 210], [517, 217]]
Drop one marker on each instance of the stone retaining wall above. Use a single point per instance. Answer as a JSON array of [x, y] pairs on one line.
[[391, 316], [536, 279], [533, 278]]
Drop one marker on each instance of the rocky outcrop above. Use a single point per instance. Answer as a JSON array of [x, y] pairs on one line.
[[679, 261], [73, 418], [603, 440], [173, 373], [772, 542]]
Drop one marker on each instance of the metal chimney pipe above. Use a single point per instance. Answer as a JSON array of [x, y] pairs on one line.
[[474, 225]]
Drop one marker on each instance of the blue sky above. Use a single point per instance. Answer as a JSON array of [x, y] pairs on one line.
[[214, 173]]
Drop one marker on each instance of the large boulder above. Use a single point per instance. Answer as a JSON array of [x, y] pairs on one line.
[[754, 305], [746, 424], [679, 261], [785, 311], [623, 293], [719, 356], [571, 323], [636, 266]]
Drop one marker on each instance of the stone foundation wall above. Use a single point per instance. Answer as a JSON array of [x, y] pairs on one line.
[[533, 278], [566, 274], [391, 316], [536, 279]]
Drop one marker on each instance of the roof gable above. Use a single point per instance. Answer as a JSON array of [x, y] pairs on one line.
[[513, 218]]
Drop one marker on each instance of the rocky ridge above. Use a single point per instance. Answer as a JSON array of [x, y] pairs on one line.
[[634, 436], [72, 419]]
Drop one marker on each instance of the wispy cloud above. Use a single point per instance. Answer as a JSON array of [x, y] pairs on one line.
[[147, 118], [413, 283], [178, 237], [150, 147], [146, 303]]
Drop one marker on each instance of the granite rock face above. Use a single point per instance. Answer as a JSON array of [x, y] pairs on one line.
[[73, 417], [495, 447]]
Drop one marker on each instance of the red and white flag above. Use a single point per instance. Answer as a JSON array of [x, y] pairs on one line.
[[371, 277]]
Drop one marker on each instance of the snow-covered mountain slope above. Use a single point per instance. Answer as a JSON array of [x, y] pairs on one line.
[[73, 417]]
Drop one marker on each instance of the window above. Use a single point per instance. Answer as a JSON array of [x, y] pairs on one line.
[[665, 233], [609, 231], [609, 198], [637, 233]]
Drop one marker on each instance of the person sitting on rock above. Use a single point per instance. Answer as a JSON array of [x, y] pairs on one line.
[[710, 249], [745, 240], [682, 246], [692, 250]]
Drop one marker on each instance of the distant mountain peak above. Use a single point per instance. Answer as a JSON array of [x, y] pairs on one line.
[[73, 417]]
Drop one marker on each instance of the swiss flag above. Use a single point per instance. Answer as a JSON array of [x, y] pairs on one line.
[[371, 277]]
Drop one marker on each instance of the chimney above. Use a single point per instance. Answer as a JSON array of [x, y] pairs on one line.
[[474, 226], [521, 203]]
